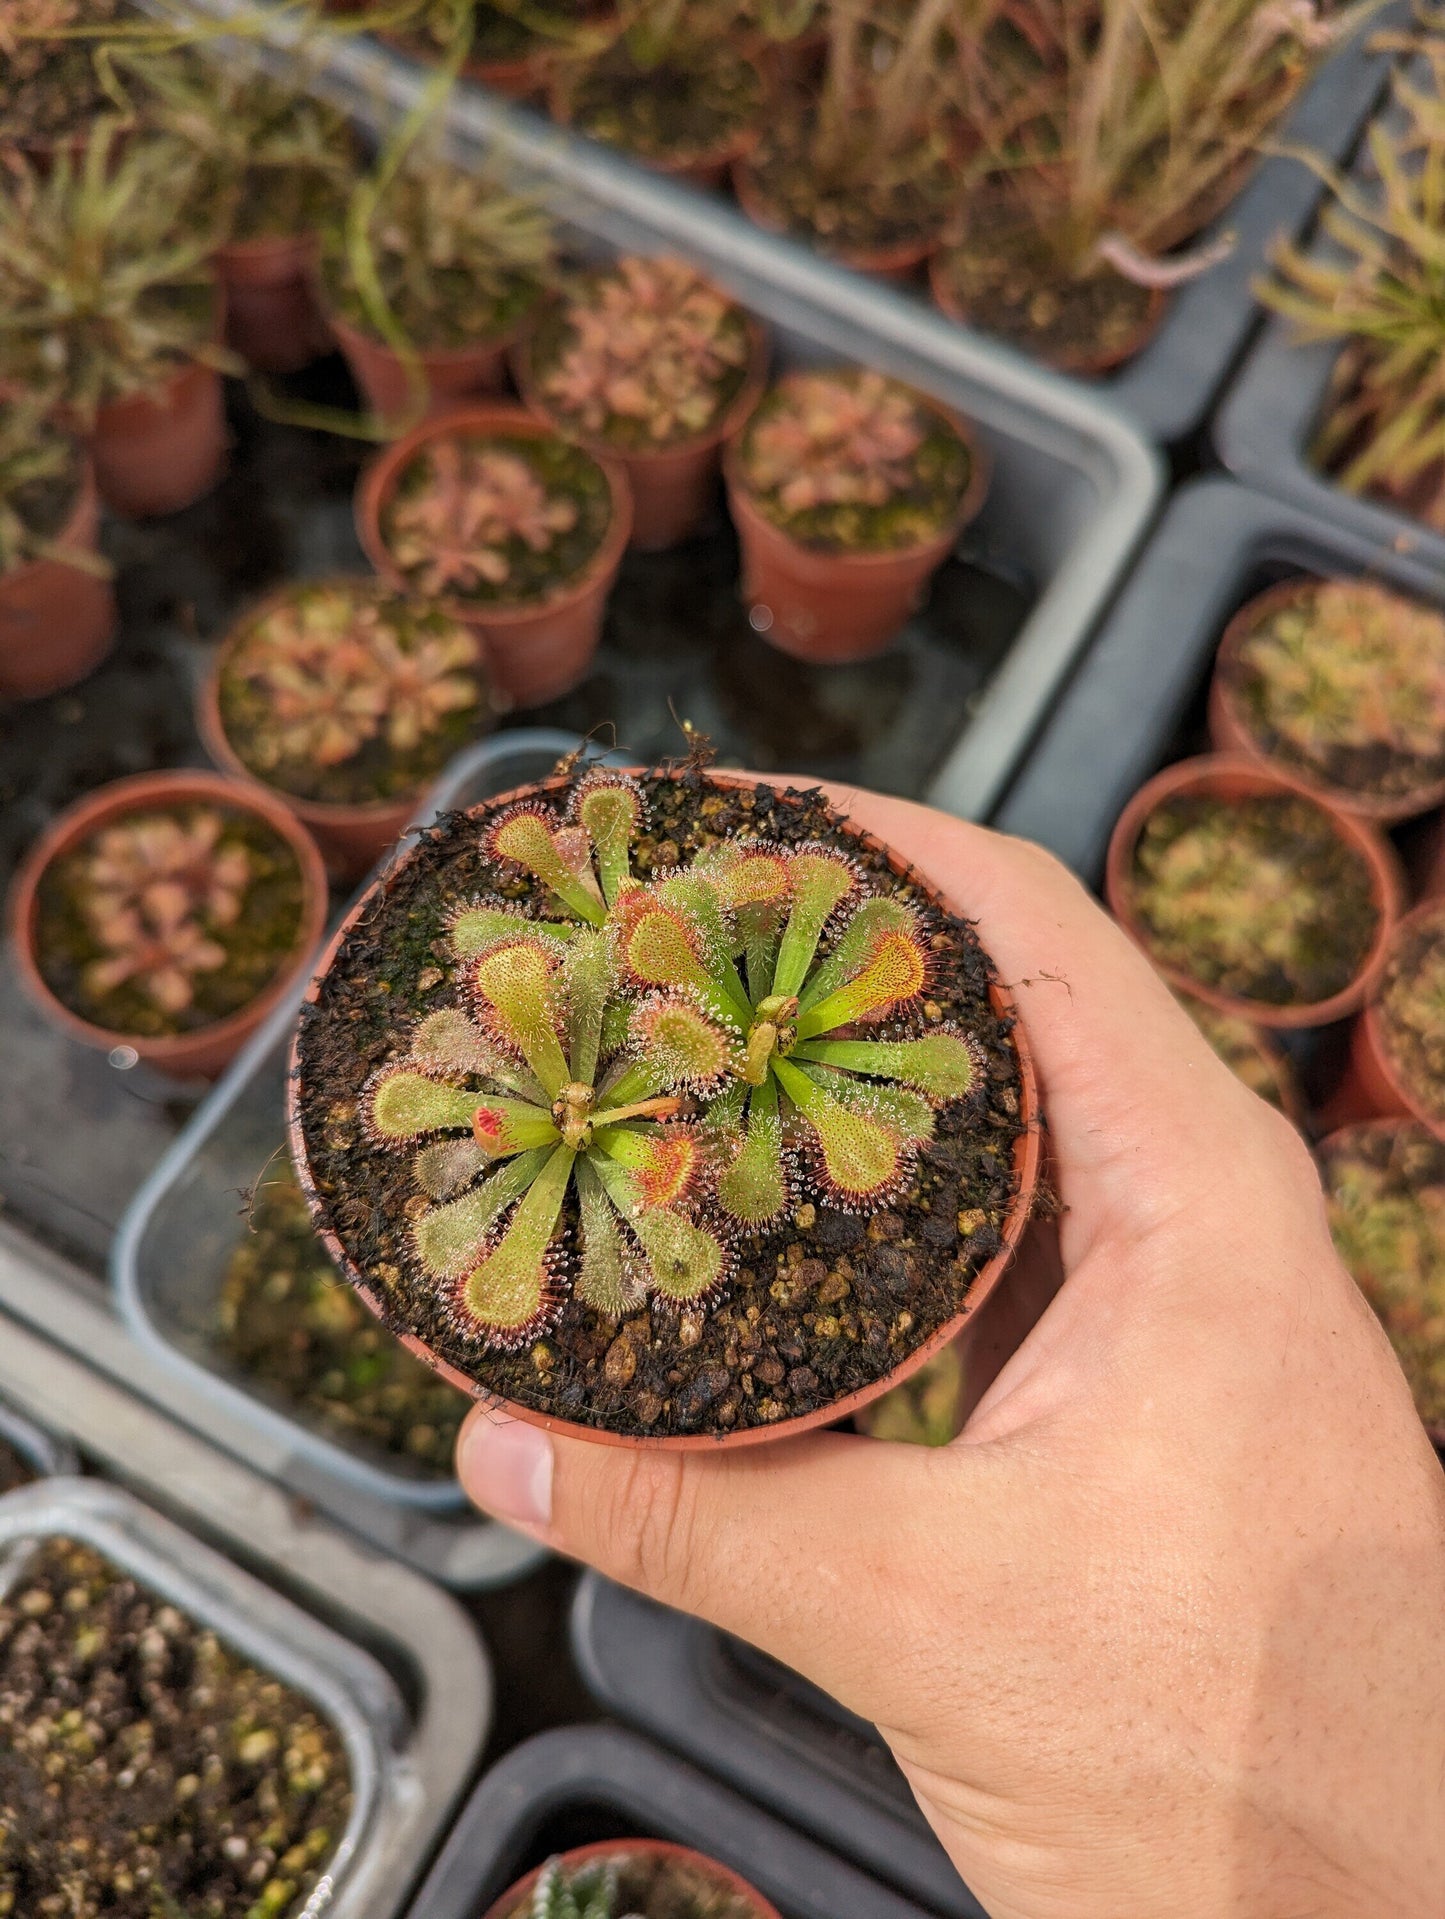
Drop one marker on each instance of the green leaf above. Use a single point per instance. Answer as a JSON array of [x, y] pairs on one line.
[[894, 975], [406, 1105], [873, 919], [477, 927], [589, 979], [605, 1281], [660, 952], [506, 1290], [941, 1064], [822, 880], [449, 1239], [610, 808], [448, 1039], [516, 983], [683, 1260], [861, 1155], [528, 838], [754, 1187]]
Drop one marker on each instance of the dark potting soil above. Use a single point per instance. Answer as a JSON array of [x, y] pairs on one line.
[[439, 309], [13, 1469], [563, 469], [663, 1889], [1411, 1010], [555, 335], [146, 1771], [939, 475], [49, 89], [1259, 897], [257, 942], [871, 204], [1019, 292], [376, 770], [291, 1323], [691, 105], [815, 1309]]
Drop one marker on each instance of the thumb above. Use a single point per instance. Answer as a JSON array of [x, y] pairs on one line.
[[815, 1549]]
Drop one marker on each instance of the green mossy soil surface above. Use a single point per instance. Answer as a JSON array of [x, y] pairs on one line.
[[689, 107], [257, 943], [376, 770], [1386, 1196], [1411, 1010], [872, 206], [556, 333], [290, 1322], [146, 1771], [816, 1309], [1305, 935], [666, 1889], [941, 471], [533, 578], [13, 1469]]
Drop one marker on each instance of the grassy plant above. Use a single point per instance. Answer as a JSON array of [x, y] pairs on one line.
[[104, 282], [1380, 290]]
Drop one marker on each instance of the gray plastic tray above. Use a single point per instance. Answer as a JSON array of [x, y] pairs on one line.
[[171, 1251], [391, 1658], [1074, 483]]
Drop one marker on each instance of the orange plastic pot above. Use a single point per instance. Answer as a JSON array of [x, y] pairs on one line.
[[158, 452], [1228, 777], [673, 488], [272, 318], [451, 373], [518, 1897], [352, 838], [1085, 362], [897, 263], [1027, 1158], [534, 651], [203, 1053], [1229, 729], [1373, 1084], [57, 622], [832, 607]]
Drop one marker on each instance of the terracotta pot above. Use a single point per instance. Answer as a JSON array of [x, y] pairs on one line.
[[673, 488], [1229, 730], [709, 169], [896, 263], [203, 1053], [1083, 362], [1227, 777], [451, 373], [352, 838], [649, 1849], [1028, 1150], [1372, 1085], [57, 622], [272, 318], [1423, 846], [832, 607], [158, 452], [522, 77], [534, 653]]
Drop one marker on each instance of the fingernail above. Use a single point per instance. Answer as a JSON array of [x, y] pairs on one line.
[[506, 1467]]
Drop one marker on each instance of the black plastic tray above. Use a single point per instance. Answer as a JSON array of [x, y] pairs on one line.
[[1138, 699], [766, 1731], [584, 1783]]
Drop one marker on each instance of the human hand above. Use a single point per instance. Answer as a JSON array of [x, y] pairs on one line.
[[1159, 1635]]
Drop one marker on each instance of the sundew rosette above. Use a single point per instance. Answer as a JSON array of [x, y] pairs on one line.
[[665, 1107]]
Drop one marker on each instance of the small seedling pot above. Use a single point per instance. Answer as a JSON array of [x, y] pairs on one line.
[[156, 453], [896, 264], [1226, 777], [451, 373], [830, 607], [272, 318], [1083, 362], [1229, 730], [200, 1054], [1372, 1085], [534, 651], [673, 489], [1027, 1157], [351, 837], [518, 1898], [57, 622]]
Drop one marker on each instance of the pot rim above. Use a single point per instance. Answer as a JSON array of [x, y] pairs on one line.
[[483, 347], [138, 792], [733, 417], [1027, 1162], [378, 482], [970, 504], [217, 742], [1082, 365], [638, 1848], [1375, 1028], [1233, 734], [1207, 771]]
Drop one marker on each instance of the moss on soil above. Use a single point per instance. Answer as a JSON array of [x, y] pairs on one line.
[[145, 1769], [826, 1304], [289, 1321], [261, 939]]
